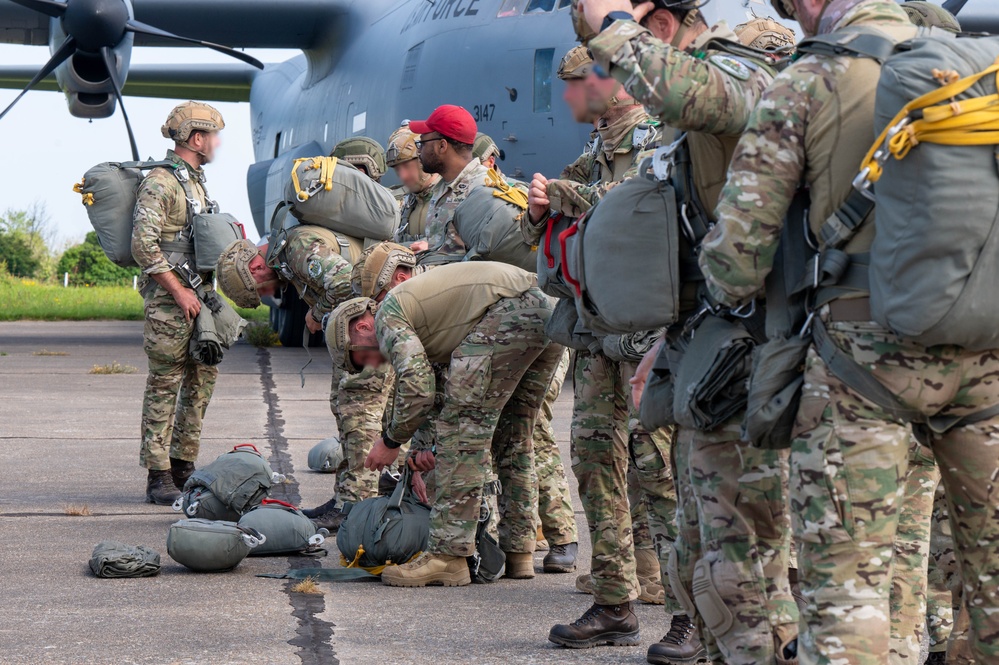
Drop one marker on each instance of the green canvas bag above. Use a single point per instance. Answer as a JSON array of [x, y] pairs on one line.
[[326, 456], [489, 225], [207, 546], [200, 503], [286, 529], [240, 479]]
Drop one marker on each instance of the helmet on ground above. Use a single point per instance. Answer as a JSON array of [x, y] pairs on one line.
[[188, 117], [401, 146], [234, 276], [766, 34], [576, 64], [338, 331], [362, 152], [373, 271]]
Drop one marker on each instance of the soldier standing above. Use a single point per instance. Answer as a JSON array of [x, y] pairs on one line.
[[403, 157], [850, 453], [178, 388]]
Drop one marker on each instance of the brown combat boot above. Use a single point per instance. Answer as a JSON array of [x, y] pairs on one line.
[[542, 542], [681, 645], [584, 583], [787, 651], [429, 570], [649, 577], [160, 488], [611, 625], [181, 470], [519, 565]]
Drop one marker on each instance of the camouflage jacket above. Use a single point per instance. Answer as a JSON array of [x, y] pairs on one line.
[[799, 132], [316, 269], [442, 237], [161, 213], [413, 216]]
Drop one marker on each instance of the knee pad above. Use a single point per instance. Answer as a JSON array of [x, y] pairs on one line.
[[673, 572], [715, 614]]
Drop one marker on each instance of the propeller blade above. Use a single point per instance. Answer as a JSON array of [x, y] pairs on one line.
[[47, 7], [955, 6], [145, 29], [63, 53], [109, 62]]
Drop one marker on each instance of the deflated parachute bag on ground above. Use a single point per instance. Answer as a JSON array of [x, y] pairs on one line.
[[628, 241], [935, 258], [335, 195], [239, 479], [199, 502], [326, 456], [286, 529], [108, 191], [205, 546], [112, 559], [488, 221], [384, 530]]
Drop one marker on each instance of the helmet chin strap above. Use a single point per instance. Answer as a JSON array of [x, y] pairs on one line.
[[689, 20]]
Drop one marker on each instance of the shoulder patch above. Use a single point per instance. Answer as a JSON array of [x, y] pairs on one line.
[[315, 268], [731, 66]]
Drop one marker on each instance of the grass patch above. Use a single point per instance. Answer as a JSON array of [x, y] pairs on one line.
[[308, 585], [25, 299], [2, 354], [113, 368], [46, 352], [77, 511], [261, 335]]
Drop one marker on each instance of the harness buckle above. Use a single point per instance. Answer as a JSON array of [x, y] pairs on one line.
[[745, 310]]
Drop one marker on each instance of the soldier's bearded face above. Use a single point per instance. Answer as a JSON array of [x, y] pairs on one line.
[[430, 157]]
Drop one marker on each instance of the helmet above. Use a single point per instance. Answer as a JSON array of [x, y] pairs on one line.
[[765, 33], [401, 146], [188, 117], [373, 271], [785, 9], [928, 15], [338, 331], [484, 147], [233, 273], [362, 151], [576, 64]]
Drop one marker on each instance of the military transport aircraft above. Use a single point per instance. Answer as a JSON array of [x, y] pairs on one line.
[[365, 66]]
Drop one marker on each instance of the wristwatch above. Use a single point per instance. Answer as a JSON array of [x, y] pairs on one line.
[[615, 16]]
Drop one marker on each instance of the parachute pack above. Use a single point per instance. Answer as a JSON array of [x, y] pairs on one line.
[[228, 487]]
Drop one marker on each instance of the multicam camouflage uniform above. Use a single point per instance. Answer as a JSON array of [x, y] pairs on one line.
[[947, 619], [176, 384], [442, 237], [849, 455], [488, 320], [732, 517], [413, 217]]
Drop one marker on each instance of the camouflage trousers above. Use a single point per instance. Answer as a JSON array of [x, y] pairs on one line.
[[848, 467], [178, 388], [946, 617], [731, 557], [606, 440], [497, 381], [558, 520], [358, 404]]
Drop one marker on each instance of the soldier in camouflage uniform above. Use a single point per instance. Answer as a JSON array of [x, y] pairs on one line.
[[731, 558], [178, 388], [403, 157], [365, 154], [487, 321], [850, 455]]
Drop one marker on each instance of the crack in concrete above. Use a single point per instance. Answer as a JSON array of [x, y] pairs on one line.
[[314, 640]]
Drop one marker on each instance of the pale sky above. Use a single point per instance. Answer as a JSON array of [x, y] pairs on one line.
[[45, 149]]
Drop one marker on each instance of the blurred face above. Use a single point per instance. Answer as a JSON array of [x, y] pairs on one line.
[[575, 99], [362, 334], [432, 147], [599, 92], [411, 176], [808, 13], [265, 277], [205, 144]]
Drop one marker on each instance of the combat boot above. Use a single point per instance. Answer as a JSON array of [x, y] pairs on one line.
[[330, 520], [584, 583], [181, 470], [611, 625], [542, 542], [519, 565], [429, 570], [787, 652], [312, 513], [561, 558], [681, 645], [160, 488], [937, 658], [649, 577]]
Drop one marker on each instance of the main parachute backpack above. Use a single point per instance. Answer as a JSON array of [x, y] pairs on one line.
[[238, 480], [286, 529], [207, 546]]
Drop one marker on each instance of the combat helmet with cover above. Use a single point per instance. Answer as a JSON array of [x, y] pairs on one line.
[[401, 146], [373, 272], [484, 147], [765, 34], [362, 152], [189, 117], [927, 15], [234, 276], [338, 332], [576, 64]]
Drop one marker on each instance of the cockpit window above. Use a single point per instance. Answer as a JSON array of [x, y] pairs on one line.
[[536, 6], [518, 7], [562, 4], [511, 8]]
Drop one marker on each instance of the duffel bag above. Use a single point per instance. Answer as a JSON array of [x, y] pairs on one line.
[[285, 528], [205, 546]]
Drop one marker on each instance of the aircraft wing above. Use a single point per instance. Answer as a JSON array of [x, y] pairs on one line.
[[301, 24], [223, 82]]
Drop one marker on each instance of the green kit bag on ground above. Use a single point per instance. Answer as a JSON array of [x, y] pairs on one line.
[[200, 503], [326, 456], [240, 479], [207, 546], [284, 526]]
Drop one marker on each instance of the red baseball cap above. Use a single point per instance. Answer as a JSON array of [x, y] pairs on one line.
[[448, 120]]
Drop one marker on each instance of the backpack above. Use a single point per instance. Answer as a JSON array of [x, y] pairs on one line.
[[205, 546], [384, 530], [285, 528], [109, 193], [239, 479], [550, 259], [326, 456], [200, 503], [333, 194], [488, 222]]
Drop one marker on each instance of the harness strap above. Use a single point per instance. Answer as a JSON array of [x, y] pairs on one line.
[[852, 42]]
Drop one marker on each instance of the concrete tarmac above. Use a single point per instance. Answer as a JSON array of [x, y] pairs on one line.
[[71, 438]]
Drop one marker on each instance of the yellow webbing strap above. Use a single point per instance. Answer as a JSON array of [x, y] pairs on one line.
[[968, 122], [374, 570], [88, 197], [504, 191], [325, 165]]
